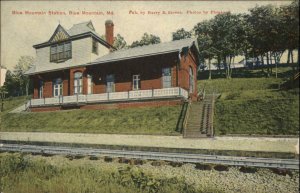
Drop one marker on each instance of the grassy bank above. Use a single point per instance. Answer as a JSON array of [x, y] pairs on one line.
[[154, 120], [250, 103], [33, 174]]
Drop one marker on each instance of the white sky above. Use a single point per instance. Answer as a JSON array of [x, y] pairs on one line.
[[20, 32]]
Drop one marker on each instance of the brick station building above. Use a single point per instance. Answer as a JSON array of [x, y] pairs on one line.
[[76, 68]]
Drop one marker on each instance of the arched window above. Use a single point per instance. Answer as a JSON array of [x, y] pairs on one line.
[[78, 83], [191, 80]]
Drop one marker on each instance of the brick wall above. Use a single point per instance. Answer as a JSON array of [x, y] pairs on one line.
[[186, 62], [48, 78], [149, 69]]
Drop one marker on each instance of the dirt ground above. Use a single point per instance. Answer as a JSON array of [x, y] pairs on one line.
[[263, 144]]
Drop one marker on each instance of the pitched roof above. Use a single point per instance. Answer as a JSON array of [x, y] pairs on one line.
[[81, 28], [119, 55], [76, 30], [142, 51]]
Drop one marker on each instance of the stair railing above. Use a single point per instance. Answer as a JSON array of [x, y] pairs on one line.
[[212, 115], [186, 118]]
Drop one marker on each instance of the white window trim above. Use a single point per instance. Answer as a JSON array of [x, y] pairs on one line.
[[78, 88], [136, 78], [59, 88]]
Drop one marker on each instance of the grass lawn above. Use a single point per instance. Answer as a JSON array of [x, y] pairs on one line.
[[154, 120], [254, 105]]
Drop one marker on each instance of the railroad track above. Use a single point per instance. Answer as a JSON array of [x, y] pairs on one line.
[[145, 155]]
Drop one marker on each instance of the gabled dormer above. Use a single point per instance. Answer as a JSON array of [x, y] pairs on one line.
[[76, 46], [61, 48]]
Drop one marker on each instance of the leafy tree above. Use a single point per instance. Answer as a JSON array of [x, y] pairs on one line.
[[289, 16], [11, 84], [16, 82], [3, 92], [181, 34], [146, 39], [223, 37], [119, 42], [203, 31], [24, 63]]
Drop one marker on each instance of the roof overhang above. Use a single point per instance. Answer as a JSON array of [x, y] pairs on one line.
[[76, 37]]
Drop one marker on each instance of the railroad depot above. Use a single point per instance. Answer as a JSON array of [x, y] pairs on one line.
[[76, 68]]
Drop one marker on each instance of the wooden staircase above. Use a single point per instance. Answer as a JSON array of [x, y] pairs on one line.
[[199, 119]]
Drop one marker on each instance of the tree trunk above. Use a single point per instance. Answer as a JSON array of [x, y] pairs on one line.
[[292, 57], [262, 61], [289, 56], [268, 65], [298, 60], [231, 68], [271, 63], [27, 87], [209, 67]]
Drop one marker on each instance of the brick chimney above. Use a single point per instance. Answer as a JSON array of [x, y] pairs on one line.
[[109, 31]]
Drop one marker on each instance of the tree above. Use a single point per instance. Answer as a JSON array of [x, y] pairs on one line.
[[119, 42], [16, 82], [11, 84], [289, 16], [223, 37], [146, 39], [203, 32], [3, 92], [181, 34], [24, 63]]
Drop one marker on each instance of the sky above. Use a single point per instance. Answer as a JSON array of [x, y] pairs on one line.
[[24, 24]]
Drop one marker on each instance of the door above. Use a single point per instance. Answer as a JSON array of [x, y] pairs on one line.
[[110, 83], [57, 87], [90, 84], [78, 83], [166, 78]]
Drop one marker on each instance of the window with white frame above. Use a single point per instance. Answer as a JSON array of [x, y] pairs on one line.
[[41, 88], [78, 83], [57, 87], [89, 84], [136, 82], [166, 77], [110, 83]]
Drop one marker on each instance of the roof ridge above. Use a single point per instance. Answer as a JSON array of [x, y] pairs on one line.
[[152, 45], [82, 23]]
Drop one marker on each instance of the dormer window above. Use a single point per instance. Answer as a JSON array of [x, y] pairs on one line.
[[95, 46], [60, 52]]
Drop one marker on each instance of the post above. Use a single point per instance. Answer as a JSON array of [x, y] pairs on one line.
[[77, 98], [152, 92], [128, 94], [44, 101], [108, 96]]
